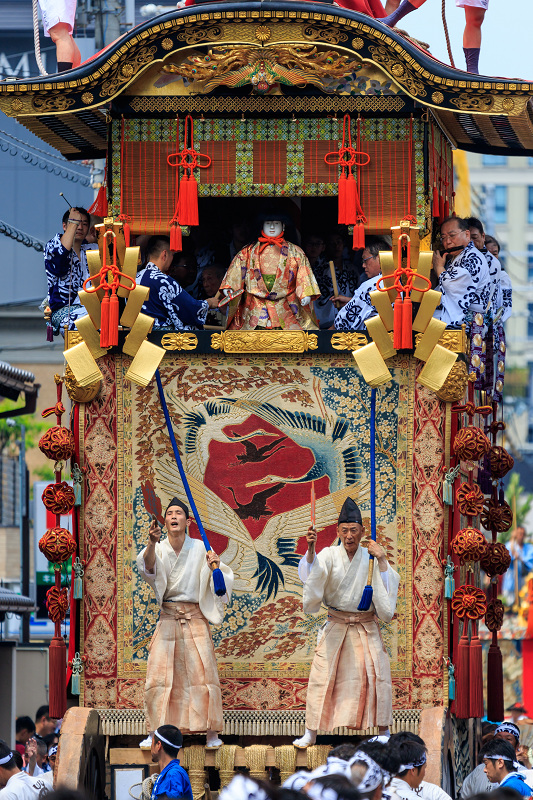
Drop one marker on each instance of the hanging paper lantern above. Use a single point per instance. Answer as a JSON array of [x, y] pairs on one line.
[[57, 545], [469, 602], [57, 443], [59, 497]]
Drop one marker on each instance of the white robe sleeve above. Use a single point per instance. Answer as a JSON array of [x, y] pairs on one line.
[[157, 579], [385, 594], [212, 606], [304, 567], [315, 583]]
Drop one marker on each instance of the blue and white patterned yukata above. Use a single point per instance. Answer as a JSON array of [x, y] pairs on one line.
[[171, 306]]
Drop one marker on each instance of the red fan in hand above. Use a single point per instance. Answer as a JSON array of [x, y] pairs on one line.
[[152, 503]]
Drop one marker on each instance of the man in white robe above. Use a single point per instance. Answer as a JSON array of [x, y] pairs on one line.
[[182, 684], [350, 679]]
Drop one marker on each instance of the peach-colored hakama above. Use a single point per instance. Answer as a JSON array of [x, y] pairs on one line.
[[182, 685], [350, 678]]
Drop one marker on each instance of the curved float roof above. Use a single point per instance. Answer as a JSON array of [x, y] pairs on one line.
[[69, 110]]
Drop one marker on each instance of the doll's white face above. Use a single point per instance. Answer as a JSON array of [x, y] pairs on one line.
[[273, 227]]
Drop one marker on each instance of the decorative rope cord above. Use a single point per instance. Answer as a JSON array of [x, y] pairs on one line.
[[36, 39], [285, 756], [256, 757], [446, 34], [225, 763]]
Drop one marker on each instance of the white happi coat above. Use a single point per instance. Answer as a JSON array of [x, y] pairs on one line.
[[349, 683]]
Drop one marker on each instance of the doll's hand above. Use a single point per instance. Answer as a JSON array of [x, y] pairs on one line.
[[305, 301]]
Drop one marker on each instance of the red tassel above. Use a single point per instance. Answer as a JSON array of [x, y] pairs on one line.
[[176, 242], [495, 709], [441, 208], [104, 322], [462, 685], [191, 217], [436, 203], [407, 324], [398, 319], [57, 685], [182, 199], [99, 207], [342, 198], [446, 215], [476, 675], [113, 320], [126, 229], [351, 202], [358, 236]]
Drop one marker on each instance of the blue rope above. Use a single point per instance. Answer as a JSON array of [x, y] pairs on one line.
[[218, 577], [373, 525]]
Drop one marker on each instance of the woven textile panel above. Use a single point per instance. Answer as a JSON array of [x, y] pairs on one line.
[[314, 409], [266, 158]]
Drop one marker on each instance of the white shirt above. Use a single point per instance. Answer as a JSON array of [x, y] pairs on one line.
[[22, 786], [430, 791], [401, 789]]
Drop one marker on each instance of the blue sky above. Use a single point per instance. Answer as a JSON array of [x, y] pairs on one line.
[[506, 46]]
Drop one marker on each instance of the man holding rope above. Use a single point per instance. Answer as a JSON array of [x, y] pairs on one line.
[[182, 684], [350, 680], [474, 16]]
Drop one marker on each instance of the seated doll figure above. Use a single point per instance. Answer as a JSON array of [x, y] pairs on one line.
[[269, 283]]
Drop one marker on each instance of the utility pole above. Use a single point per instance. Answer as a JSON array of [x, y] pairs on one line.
[[24, 532], [107, 21]]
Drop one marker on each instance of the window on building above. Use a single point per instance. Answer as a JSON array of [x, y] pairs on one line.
[[530, 320], [495, 161], [530, 263], [500, 204], [530, 205]]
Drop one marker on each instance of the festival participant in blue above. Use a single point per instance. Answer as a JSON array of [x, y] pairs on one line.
[[501, 768], [463, 274], [173, 782], [352, 316], [501, 300], [171, 306], [66, 269], [520, 567]]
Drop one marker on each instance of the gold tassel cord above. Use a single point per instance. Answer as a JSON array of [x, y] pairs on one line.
[[317, 755], [285, 756], [193, 759], [256, 756], [225, 763]]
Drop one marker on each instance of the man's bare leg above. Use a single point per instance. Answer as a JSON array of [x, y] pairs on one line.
[[405, 7], [472, 37], [67, 51], [390, 6]]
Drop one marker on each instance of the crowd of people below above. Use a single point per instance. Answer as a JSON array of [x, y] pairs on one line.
[[185, 285]]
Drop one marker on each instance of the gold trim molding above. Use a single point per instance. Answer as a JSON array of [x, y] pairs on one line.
[[275, 104], [453, 340], [179, 341], [264, 341], [348, 341]]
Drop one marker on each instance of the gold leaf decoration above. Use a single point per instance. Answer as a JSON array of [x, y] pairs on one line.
[[179, 341]]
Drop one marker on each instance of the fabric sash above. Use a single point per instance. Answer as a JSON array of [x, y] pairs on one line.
[[349, 617], [181, 612]]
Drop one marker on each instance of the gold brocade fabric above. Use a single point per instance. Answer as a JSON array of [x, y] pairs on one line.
[[271, 305]]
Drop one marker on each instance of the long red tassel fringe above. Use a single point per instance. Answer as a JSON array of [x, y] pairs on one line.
[[57, 667], [476, 674], [462, 690]]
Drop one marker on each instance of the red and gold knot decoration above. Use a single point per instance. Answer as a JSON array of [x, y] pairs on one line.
[[471, 444], [347, 157], [500, 461], [188, 159], [470, 499], [469, 602], [56, 603], [495, 560], [496, 516], [112, 273], [405, 280], [468, 545], [494, 615], [59, 498], [57, 443], [57, 545]]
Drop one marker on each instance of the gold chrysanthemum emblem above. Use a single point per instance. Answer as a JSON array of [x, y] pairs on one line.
[[263, 33]]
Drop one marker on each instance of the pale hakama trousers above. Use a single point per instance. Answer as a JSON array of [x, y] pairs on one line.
[[350, 679], [182, 684]]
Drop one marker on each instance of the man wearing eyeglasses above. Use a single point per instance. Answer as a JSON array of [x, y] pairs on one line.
[[463, 273], [358, 308]]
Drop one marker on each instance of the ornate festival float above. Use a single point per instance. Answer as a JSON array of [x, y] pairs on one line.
[[202, 113]]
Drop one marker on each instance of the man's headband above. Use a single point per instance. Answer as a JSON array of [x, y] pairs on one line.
[[503, 758], [374, 776], [52, 751], [165, 741], [419, 763], [5, 759], [509, 727]]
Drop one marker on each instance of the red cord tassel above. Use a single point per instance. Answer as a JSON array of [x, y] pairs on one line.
[[127, 233], [462, 686], [495, 709], [407, 324], [182, 199], [176, 241], [57, 667], [476, 674], [104, 322], [113, 320], [436, 202], [99, 207], [191, 217], [351, 200], [441, 207], [342, 198], [398, 319], [447, 214], [358, 236]]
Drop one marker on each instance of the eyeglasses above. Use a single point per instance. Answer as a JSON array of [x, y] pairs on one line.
[[367, 259], [451, 235]]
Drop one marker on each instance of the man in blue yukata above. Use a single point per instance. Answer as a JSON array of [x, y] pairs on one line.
[[501, 767], [172, 782], [171, 306]]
